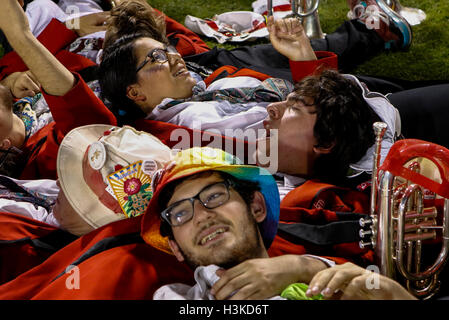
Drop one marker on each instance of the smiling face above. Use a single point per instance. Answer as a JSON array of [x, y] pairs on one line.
[[157, 81], [293, 122], [225, 235]]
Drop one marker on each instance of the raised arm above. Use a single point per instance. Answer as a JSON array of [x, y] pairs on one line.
[[54, 78], [288, 37]]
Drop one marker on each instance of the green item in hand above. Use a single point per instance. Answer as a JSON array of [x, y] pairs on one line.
[[297, 291]]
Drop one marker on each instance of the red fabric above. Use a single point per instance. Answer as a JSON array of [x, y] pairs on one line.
[[138, 269], [189, 43], [404, 150], [315, 203], [301, 69], [78, 107], [235, 72], [133, 271], [55, 38], [20, 256]]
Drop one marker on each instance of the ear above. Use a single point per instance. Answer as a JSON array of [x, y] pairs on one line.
[[133, 93], [6, 144], [258, 207], [323, 150], [175, 249]]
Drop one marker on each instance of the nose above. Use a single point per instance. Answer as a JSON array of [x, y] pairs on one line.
[[276, 110], [201, 213], [173, 57]]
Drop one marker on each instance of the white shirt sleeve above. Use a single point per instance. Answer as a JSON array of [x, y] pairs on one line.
[[328, 262]]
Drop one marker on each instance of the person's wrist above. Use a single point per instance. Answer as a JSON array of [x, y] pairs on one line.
[[304, 53], [309, 266]]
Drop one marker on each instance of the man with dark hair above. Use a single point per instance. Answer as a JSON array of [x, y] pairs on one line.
[[234, 221], [214, 213], [324, 128]]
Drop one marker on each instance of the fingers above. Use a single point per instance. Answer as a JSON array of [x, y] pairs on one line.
[[26, 85], [288, 26], [330, 281], [228, 283], [33, 78], [238, 288]]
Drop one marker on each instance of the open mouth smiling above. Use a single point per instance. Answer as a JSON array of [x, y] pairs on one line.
[[211, 234]]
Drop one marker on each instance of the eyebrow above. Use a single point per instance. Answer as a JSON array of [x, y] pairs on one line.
[[297, 98]]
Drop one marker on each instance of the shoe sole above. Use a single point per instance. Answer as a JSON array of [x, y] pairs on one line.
[[400, 23]]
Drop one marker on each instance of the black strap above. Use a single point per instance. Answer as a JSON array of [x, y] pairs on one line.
[[344, 231], [106, 244], [52, 242], [12, 186]]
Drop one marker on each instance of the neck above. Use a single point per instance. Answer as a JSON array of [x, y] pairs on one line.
[[18, 132]]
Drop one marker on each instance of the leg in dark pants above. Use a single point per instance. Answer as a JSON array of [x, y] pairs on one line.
[[352, 42], [424, 113]]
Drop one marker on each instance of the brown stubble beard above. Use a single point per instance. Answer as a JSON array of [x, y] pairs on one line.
[[250, 247]]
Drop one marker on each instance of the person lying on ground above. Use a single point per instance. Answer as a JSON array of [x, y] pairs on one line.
[[219, 217]]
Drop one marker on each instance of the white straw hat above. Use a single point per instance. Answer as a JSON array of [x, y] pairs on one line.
[[105, 173]]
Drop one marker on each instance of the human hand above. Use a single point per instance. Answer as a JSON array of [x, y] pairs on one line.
[[12, 18], [262, 278], [22, 84], [89, 23], [288, 37], [351, 282]]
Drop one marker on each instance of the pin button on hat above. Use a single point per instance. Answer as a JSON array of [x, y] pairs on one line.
[[97, 155]]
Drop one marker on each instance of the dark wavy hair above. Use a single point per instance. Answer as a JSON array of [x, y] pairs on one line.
[[116, 72], [129, 21], [344, 123], [132, 17]]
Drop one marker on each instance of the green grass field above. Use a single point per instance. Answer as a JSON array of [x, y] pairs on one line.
[[427, 59]]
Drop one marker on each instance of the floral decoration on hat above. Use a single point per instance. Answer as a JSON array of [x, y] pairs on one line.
[[132, 188]]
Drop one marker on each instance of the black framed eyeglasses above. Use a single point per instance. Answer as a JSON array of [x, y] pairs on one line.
[[211, 197], [159, 55]]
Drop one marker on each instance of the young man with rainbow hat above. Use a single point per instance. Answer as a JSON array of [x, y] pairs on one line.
[[233, 223], [231, 226]]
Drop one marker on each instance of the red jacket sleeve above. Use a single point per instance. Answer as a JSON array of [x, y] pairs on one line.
[[301, 69], [55, 37], [78, 107]]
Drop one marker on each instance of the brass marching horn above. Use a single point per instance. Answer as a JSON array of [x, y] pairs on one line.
[[308, 15], [414, 174]]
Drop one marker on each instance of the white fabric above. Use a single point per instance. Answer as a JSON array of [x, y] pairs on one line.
[[45, 187], [41, 12], [82, 6], [125, 146], [217, 116], [235, 26], [261, 7], [388, 114], [205, 278], [287, 183]]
